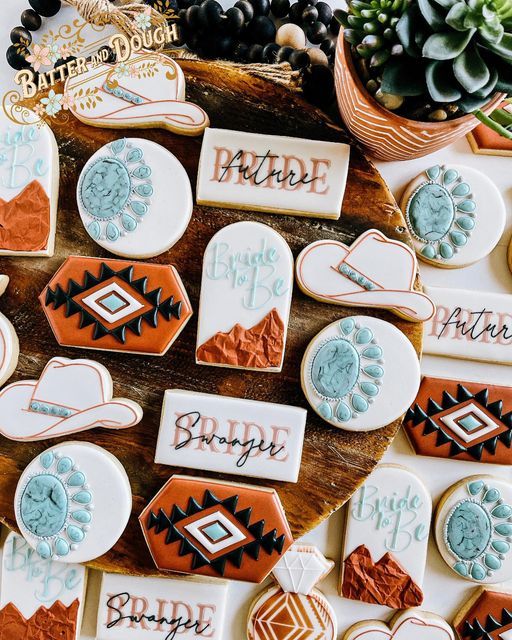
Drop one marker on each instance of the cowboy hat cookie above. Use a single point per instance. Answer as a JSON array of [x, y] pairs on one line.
[[487, 615], [246, 293], [72, 502], [386, 539], [146, 90], [116, 305], [461, 421], [294, 608], [70, 396], [9, 344], [39, 594], [29, 187], [373, 272], [408, 625], [121, 201], [455, 214], [352, 378], [473, 528]]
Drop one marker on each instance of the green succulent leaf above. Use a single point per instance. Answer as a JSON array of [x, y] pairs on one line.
[[493, 33], [503, 49], [352, 36], [470, 70], [400, 77], [446, 4], [488, 88], [456, 17], [502, 117], [342, 17], [432, 15], [406, 30], [441, 83], [447, 45], [468, 103]]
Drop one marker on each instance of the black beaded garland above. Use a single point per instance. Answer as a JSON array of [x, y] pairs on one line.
[[261, 7], [241, 52], [295, 13], [328, 46], [192, 17], [324, 13], [318, 85], [46, 8], [270, 52], [255, 53], [261, 30], [316, 32], [284, 53], [209, 14], [246, 8], [299, 59], [31, 20], [235, 20], [280, 8], [20, 35], [16, 57], [306, 3], [334, 26], [310, 15]]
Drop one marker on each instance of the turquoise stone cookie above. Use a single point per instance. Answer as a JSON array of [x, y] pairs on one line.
[[44, 505], [105, 188], [468, 530], [431, 212], [335, 369]]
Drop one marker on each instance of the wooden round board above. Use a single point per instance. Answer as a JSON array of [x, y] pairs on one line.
[[334, 462]]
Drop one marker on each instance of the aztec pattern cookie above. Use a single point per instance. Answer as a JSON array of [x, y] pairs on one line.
[[72, 502], [486, 616], [215, 528], [373, 271], [473, 528], [408, 625], [352, 378], [273, 174], [121, 199], [246, 293], [471, 325], [9, 343], [70, 396], [294, 609], [116, 305], [146, 90], [141, 608], [39, 599], [456, 215], [386, 539], [461, 421], [231, 435], [29, 188]]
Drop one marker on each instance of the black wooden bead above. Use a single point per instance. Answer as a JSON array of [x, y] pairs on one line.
[[318, 85], [16, 57], [192, 17], [185, 4], [295, 13], [306, 3], [31, 20], [46, 8], [235, 20], [210, 14], [334, 26], [328, 46], [309, 15], [298, 59], [193, 41], [280, 8], [224, 46], [316, 32], [255, 53], [269, 52], [240, 52], [261, 30], [324, 13], [22, 35], [261, 7], [246, 8], [284, 53]]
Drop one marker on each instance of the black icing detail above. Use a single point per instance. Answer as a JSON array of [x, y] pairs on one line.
[[416, 416], [168, 309], [477, 631], [269, 542]]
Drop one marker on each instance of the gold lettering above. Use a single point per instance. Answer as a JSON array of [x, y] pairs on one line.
[[121, 46], [25, 77], [71, 65], [42, 83]]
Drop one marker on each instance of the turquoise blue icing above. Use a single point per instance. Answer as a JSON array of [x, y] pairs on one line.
[[112, 232], [142, 172], [475, 487], [374, 371], [502, 511], [434, 172], [343, 412], [431, 211], [113, 302], [44, 550], [492, 562], [373, 353], [347, 326], [462, 189], [44, 505], [468, 206], [466, 223], [94, 230], [478, 572], [118, 145], [461, 569], [429, 251], [75, 534], [129, 223], [123, 94], [144, 190], [82, 497], [492, 495], [215, 531], [458, 238], [500, 546], [61, 547], [140, 208], [445, 250], [76, 479], [450, 175], [64, 465], [47, 459], [364, 336], [335, 368], [359, 403], [82, 516], [105, 188], [504, 529], [468, 530], [369, 388], [134, 155], [325, 410], [357, 277]]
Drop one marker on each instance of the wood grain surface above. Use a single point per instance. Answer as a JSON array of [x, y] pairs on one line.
[[334, 462]]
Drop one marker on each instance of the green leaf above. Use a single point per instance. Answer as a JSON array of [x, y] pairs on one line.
[[502, 117], [406, 30], [491, 33], [504, 70], [503, 49], [468, 103], [487, 89], [495, 126], [456, 16], [432, 15], [446, 45], [441, 82], [402, 77], [342, 17], [446, 4], [352, 36], [470, 70]]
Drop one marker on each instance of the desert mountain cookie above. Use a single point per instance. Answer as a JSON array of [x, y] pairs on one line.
[[122, 198], [9, 343], [408, 625], [456, 215], [353, 377]]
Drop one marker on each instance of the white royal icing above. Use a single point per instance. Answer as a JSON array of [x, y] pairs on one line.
[[134, 608], [9, 343], [301, 568], [412, 624], [122, 196], [274, 174], [360, 373], [72, 502], [373, 271], [231, 435]]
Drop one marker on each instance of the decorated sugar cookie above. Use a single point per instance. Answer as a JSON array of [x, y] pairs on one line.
[[408, 625], [487, 615], [352, 376], [9, 344], [116, 305], [273, 174], [72, 502], [140, 608], [456, 215], [39, 594], [474, 529], [373, 272], [29, 188], [294, 609], [215, 528], [386, 539], [461, 421], [70, 396], [231, 435], [246, 292], [122, 201], [147, 90]]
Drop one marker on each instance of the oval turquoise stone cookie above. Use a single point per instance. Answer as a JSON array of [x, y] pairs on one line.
[[335, 368], [431, 212]]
